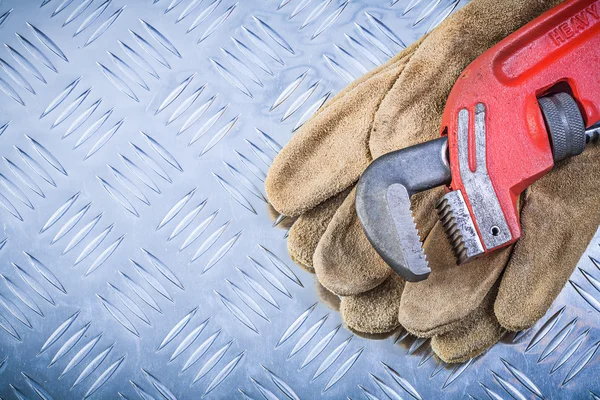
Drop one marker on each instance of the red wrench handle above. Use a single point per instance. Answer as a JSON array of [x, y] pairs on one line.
[[560, 50]]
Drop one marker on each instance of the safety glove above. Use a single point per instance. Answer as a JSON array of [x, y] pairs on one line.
[[398, 105]]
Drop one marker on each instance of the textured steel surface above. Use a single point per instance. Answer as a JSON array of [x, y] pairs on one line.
[[138, 257]]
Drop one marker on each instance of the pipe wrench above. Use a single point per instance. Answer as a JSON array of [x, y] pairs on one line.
[[524, 105]]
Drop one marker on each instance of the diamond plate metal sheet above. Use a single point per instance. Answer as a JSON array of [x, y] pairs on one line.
[[138, 256]]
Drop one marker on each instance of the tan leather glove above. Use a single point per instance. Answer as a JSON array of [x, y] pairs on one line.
[[398, 105]]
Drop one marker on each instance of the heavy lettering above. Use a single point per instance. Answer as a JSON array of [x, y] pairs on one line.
[[593, 11], [574, 25]]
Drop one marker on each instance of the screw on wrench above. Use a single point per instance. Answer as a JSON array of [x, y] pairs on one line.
[[522, 106]]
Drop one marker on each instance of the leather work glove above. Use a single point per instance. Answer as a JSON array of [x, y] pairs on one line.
[[463, 308]]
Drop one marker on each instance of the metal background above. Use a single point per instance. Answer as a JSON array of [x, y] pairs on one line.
[[106, 199]]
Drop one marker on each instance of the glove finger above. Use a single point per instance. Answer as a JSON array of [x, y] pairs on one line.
[[452, 292], [330, 151], [558, 220], [344, 261], [411, 112], [478, 332], [375, 311], [308, 229]]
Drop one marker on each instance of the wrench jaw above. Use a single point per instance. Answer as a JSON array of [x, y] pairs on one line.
[[460, 229], [413, 256], [383, 203]]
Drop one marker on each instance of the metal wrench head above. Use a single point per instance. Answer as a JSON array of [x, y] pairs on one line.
[[383, 203]]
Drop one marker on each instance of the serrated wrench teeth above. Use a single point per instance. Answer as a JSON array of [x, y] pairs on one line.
[[458, 224]]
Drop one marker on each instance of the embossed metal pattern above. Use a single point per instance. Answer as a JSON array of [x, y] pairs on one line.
[[138, 257]]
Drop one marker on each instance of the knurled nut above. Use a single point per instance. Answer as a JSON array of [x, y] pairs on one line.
[[565, 125]]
